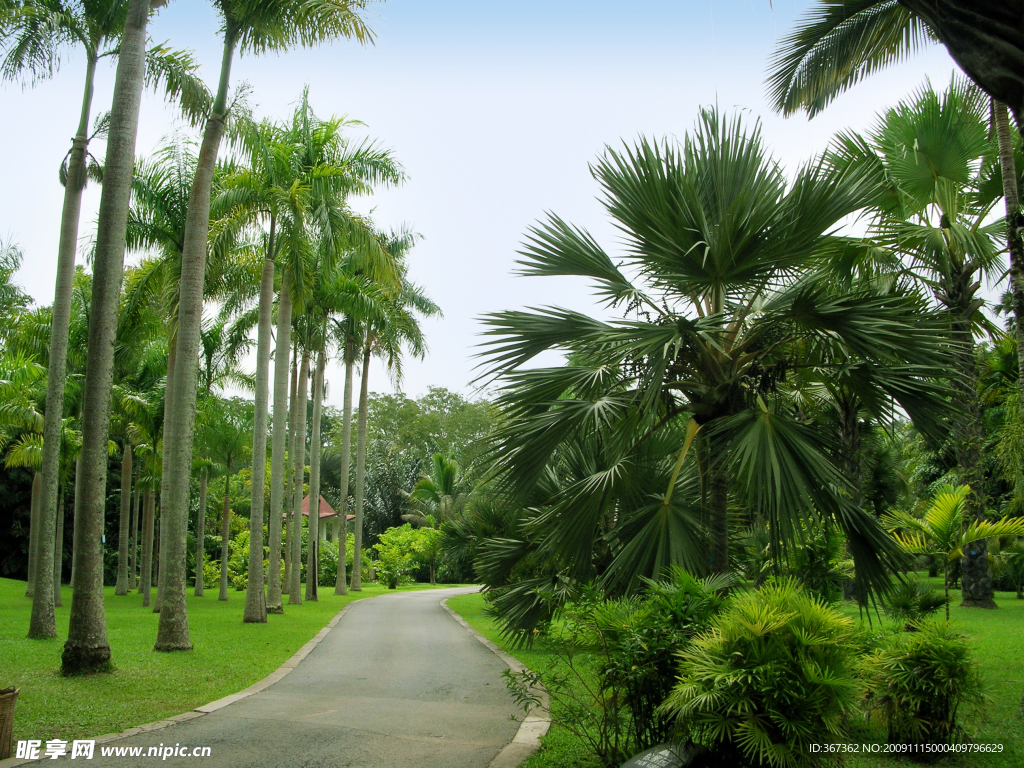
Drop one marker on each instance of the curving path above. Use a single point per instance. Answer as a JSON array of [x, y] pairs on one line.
[[397, 682]]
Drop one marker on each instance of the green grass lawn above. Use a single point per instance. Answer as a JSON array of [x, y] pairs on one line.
[[227, 656], [998, 642]]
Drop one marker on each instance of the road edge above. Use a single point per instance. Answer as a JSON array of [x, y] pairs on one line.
[[213, 706], [533, 727]]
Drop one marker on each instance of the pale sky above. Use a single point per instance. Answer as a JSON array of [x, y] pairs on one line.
[[495, 110]]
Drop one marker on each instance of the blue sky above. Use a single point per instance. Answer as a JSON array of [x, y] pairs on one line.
[[495, 109]]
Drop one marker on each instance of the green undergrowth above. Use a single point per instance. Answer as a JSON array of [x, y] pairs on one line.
[[145, 686], [997, 640]]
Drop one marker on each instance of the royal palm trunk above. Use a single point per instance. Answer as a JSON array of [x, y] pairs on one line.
[[86, 649], [225, 536], [58, 551], [278, 436], [165, 457], [146, 572], [295, 590], [312, 561], [289, 488], [201, 533], [124, 525], [42, 623], [364, 394], [255, 602], [172, 633], [33, 534], [341, 585], [136, 537]]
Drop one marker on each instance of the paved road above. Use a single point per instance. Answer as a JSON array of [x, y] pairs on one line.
[[397, 682]]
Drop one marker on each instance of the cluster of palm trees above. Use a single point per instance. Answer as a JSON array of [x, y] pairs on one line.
[[756, 348], [130, 357]]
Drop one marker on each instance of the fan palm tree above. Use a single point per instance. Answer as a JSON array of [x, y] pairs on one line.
[[947, 529], [838, 43], [931, 162], [270, 25], [732, 298]]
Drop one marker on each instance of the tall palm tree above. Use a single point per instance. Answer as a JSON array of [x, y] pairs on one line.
[[86, 649], [838, 43], [272, 25], [33, 34], [298, 179], [931, 163], [390, 332], [682, 394]]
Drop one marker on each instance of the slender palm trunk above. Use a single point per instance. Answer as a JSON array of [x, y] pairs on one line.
[[341, 585], [314, 480], [295, 592], [289, 488], [58, 550], [225, 536], [124, 525], [86, 649], [255, 601], [136, 539], [146, 574], [165, 456], [33, 534], [42, 624], [172, 633], [74, 514], [201, 533], [278, 435], [364, 395]]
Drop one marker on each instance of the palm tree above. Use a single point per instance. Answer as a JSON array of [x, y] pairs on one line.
[[34, 33], [86, 649], [839, 43], [931, 162], [439, 496], [272, 25], [388, 333], [947, 529], [732, 298], [299, 175]]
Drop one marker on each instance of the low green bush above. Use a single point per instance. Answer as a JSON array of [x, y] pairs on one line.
[[918, 682], [911, 601], [776, 672]]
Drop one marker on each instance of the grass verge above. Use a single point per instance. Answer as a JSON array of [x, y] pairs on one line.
[[145, 685], [997, 639]]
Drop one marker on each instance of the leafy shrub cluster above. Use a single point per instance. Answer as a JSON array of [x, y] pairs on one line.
[[750, 680]]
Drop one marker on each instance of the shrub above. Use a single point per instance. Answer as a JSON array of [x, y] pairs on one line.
[[911, 601], [776, 673], [918, 682], [616, 659]]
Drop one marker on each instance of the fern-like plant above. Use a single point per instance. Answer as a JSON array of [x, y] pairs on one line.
[[776, 673], [911, 601]]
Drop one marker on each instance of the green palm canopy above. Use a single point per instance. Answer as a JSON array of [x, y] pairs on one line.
[[667, 422]]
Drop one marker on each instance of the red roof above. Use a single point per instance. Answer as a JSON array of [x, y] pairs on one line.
[[325, 508]]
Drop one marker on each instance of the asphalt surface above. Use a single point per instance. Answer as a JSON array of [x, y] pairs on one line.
[[397, 682]]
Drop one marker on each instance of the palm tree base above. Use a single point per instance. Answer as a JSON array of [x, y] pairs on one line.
[[83, 660], [989, 603], [279, 609], [168, 647]]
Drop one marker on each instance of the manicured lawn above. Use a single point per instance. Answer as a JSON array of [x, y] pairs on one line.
[[998, 643], [227, 656]]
